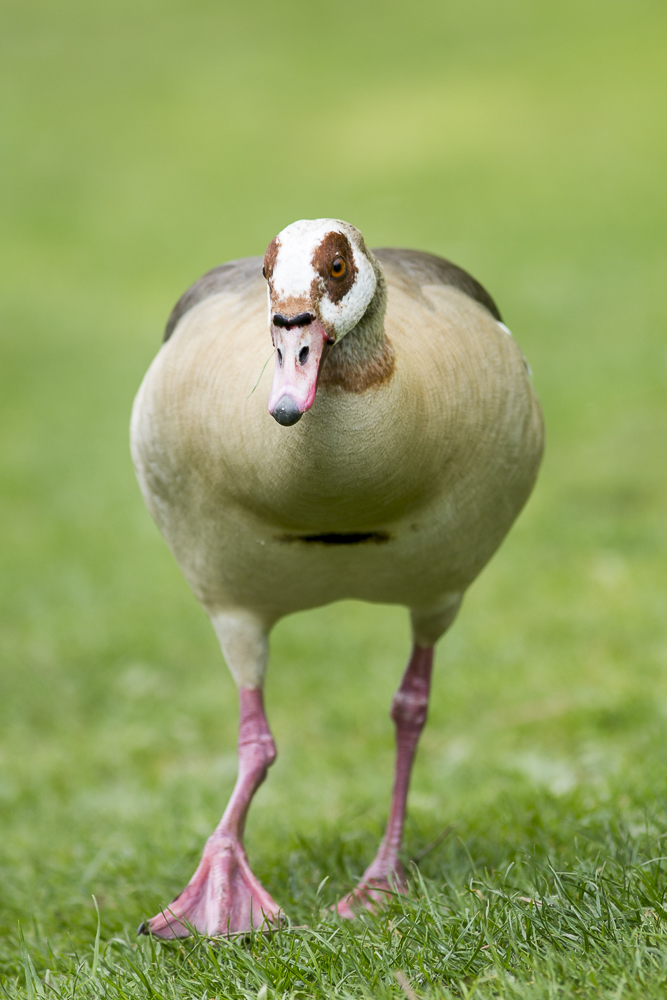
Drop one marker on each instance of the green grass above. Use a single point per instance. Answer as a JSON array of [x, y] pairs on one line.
[[143, 143]]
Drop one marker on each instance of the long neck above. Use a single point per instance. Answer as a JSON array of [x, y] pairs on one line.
[[364, 356]]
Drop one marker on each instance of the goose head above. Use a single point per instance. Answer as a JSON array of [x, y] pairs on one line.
[[321, 280]]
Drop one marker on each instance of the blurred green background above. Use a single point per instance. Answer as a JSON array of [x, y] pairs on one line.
[[142, 144]]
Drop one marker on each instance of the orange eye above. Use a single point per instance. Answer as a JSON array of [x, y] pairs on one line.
[[338, 268]]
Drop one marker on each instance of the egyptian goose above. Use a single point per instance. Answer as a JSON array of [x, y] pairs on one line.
[[398, 442]]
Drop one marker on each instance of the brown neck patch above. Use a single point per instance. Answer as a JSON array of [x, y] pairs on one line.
[[348, 369]]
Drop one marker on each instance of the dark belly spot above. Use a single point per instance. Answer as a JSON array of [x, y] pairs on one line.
[[334, 538]]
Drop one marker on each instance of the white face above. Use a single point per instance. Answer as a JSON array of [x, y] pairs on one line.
[[320, 266]]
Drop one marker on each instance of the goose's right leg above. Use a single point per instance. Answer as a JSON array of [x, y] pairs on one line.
[[223, 896]]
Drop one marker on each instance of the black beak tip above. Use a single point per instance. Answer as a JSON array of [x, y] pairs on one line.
[[287, 412]]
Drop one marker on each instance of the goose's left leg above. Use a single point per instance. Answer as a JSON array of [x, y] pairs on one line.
[[386, 873]]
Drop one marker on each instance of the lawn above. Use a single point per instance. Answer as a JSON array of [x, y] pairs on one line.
[[145, 142]]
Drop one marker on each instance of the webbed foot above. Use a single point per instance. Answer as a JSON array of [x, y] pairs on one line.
[[376, 887], [222, 898]]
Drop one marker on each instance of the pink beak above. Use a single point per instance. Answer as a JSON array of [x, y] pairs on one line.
[[300, 343]]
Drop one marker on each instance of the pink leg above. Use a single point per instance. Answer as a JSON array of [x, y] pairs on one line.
[[408, 710], [223, 896]]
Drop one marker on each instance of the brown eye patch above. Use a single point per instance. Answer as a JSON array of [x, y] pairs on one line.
[[270, 258], [334, 262]]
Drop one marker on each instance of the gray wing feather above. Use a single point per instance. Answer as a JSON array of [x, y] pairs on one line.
[[235, 276], [416, 268], [421, 268]]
